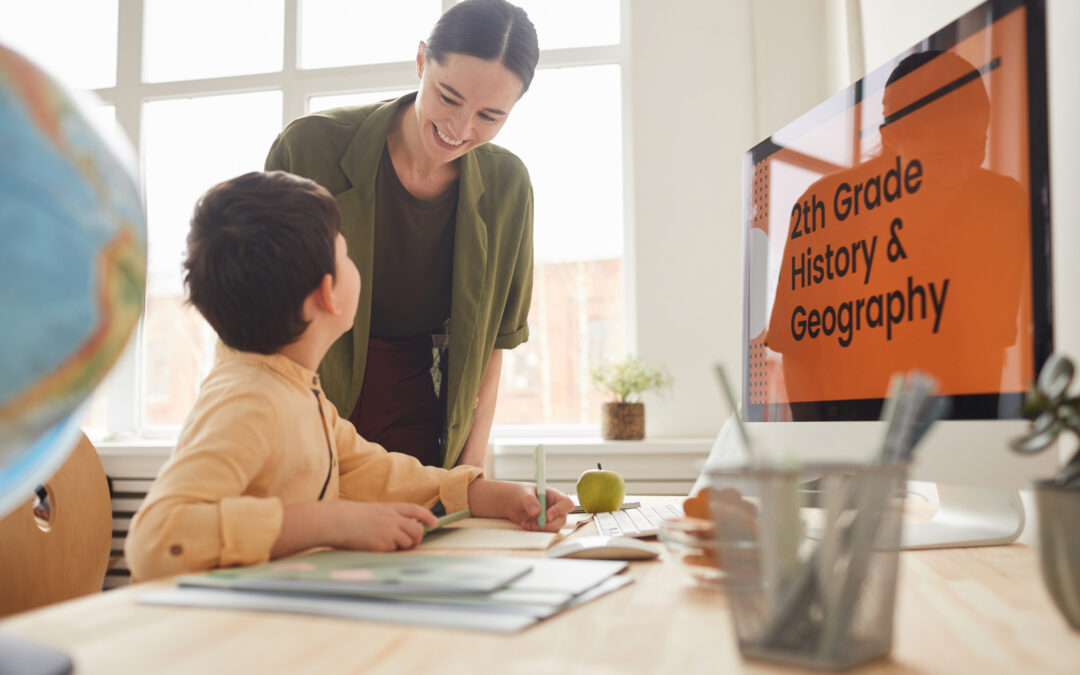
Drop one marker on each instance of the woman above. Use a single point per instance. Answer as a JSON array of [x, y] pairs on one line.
[[439, 222]]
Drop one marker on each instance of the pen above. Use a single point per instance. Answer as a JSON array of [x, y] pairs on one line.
[[447, 519], [541, 485]]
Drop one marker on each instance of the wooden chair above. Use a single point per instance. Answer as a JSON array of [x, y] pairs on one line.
[[45, 562]]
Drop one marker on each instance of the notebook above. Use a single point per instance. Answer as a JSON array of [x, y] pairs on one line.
[[367, 574], [550, 587]]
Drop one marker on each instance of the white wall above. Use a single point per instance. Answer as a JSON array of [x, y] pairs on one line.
[[889, 28], [709, 79], [1063, 20], [695, 111]]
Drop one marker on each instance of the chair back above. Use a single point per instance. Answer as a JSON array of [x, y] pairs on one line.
[[57, 548]]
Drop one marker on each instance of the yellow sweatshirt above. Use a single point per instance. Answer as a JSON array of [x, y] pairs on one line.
[[262, 435]]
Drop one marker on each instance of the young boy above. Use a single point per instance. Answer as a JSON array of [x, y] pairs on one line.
[[264, 467]]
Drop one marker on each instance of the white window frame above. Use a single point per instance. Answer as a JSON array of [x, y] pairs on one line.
[[124, 386]]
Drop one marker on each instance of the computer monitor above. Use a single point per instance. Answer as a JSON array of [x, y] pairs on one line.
[[904, 224]]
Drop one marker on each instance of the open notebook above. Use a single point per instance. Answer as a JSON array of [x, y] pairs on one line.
[[548, 587], [367, 574]]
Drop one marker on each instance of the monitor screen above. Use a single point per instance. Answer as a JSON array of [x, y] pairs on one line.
[[904, 224]]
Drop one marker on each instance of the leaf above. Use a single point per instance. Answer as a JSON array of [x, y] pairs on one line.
[[1042, 434], [1069, 476], [1055, 376], [1035, 402], [631, 378]]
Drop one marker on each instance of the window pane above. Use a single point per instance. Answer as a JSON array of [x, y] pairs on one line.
[[104, 116], [209, 38], [576, 319], [575, 322], [317, 103], [234, 133], [74, 40], [354, 32], [578, 180], [573, 23], [96, 420]]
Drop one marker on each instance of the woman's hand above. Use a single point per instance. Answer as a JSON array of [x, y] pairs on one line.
[[517, 503]]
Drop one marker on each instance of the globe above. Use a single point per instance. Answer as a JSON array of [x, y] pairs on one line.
[[72, 267]]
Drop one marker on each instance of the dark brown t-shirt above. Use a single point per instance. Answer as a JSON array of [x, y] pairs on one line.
[[414, 255]]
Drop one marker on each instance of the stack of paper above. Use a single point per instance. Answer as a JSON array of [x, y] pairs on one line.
[[471, 592]]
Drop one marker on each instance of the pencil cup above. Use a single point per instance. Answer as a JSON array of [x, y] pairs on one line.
[[810, 561]]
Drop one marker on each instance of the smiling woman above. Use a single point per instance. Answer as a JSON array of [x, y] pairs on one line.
[[439, 223]]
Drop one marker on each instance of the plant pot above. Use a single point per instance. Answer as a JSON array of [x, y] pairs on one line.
[[1059, 546], [623, 421]]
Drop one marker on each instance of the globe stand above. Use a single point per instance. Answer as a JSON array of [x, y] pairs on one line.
[[20, 657]]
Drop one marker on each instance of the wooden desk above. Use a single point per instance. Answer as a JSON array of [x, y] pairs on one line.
[[976, 610]]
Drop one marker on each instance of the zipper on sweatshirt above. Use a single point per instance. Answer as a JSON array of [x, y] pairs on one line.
[[329, 449]]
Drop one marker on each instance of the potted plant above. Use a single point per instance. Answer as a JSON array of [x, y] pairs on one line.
[[1052, 411], [624, 418]]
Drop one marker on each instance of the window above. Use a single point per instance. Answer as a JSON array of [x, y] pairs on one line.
[[198, 39], [578, 242], [201, 114]]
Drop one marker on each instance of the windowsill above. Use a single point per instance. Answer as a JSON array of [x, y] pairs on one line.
[[501, 444], [649, 466], [585, 445]]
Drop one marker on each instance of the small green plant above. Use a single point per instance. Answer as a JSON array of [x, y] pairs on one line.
[[1052, 411], [631, 378]]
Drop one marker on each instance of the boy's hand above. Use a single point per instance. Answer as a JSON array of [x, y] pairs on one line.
[[382, 527], [517, 503], [559, 506]]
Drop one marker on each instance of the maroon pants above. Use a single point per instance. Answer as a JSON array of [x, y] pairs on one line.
[[398, 408]]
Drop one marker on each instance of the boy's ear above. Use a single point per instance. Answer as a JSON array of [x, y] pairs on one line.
[[324, 295]]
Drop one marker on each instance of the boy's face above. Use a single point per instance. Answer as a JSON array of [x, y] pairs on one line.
[[346, 283]]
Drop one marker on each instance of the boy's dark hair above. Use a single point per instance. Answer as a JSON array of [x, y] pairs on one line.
[[259, 245], [487, 29]]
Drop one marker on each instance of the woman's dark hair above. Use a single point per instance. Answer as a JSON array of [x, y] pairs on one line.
[[493, 30], [259, 245]]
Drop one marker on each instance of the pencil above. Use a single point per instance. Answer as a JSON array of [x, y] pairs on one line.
[[541, 485], [447, 519]]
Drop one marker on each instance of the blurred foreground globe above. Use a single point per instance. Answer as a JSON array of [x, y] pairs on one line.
[[72, 268]]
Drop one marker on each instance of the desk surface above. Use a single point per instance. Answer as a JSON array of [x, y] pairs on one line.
[[981, 610]]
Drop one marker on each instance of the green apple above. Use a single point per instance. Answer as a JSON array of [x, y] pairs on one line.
[[600, 491]]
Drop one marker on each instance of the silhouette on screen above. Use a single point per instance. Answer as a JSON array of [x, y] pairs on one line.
[[915, 258]]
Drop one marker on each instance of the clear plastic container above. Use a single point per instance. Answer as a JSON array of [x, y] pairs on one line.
[[810, 560], [692, 542]]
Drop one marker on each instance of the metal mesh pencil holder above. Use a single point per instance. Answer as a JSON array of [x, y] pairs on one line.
[[810, 560]]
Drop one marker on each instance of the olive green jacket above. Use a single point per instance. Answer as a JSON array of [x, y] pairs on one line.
[[493, 250]]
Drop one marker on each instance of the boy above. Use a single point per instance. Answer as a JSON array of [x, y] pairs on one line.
[[264, 467]]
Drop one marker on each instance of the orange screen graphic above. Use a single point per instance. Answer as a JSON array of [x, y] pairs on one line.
[[899, 236]]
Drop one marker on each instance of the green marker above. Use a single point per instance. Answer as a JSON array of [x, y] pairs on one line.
[[447, 519], [541, 485]]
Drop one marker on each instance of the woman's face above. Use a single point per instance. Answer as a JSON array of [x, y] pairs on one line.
[[462, 103]]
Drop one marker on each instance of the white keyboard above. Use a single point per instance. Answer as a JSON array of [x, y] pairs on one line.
[[643, 521]]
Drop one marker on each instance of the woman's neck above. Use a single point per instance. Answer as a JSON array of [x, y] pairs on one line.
[[423, 177]]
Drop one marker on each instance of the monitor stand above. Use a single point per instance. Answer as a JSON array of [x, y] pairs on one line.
[[968, 516]]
